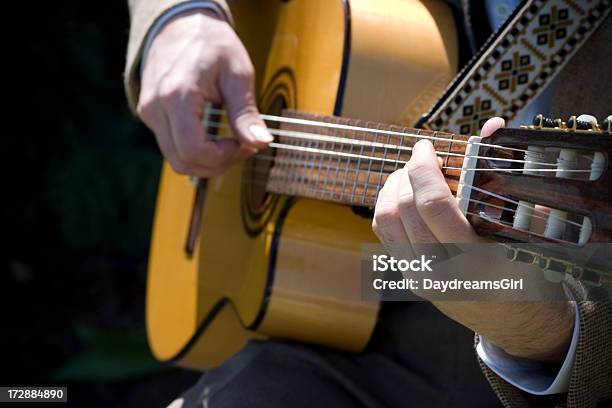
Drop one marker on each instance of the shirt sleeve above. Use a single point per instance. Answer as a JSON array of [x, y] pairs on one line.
[[169, 14], [528, 375]]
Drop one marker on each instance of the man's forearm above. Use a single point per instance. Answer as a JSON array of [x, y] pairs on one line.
[[528, 329]]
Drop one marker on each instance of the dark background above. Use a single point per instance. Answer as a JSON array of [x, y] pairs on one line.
[[82, 175]]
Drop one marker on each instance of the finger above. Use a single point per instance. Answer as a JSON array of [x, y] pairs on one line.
[[491, 126], [246, 151], [192, 145], [387, 223], [415, 227], [433, 198], [242, 153], [181, 166], [236, 85], [161, 131], [155, 119]]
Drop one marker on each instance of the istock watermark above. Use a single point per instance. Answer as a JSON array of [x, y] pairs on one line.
[[386, 263], [383, 263], [474, 271]]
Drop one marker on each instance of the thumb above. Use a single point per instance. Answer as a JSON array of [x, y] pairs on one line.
[[492, 125], [239, 99]]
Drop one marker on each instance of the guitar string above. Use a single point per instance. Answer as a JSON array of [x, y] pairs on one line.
[[322, 124], [311, 136], [220, 113], [381, 159], [343, 140], [550, 215], [367, 186], [375, 186], [517, 203], [376, 158], [487, 218]]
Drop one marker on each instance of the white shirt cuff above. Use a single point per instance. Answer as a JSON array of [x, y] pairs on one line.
[[531, 376], [168, 15]]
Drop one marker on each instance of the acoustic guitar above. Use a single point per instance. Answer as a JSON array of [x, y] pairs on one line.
[[273, 247]]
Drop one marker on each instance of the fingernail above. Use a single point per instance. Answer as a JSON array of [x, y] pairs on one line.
[[261, 133]]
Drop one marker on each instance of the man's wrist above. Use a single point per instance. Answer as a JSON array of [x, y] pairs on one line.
[[546, 329], [180, 10]]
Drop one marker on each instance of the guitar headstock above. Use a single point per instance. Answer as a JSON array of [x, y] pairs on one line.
[[549, 182]]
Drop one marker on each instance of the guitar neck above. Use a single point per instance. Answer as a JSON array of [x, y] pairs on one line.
[[347, 160]]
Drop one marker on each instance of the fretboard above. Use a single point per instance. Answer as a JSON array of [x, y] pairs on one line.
[[349, 164]]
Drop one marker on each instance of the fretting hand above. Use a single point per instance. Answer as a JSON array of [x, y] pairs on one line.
[[416, 208]]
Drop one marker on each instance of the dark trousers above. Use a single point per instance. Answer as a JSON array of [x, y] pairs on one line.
[[416, 358]]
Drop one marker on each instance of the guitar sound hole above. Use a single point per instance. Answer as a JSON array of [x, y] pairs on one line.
[[258, 167]]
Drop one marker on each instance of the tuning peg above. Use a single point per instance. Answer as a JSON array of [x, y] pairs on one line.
[[540, 121], [583, 122]]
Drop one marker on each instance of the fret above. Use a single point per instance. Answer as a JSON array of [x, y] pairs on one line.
[[433, 142], [320, 166], [346, 170], [450, 149], [304, 179], [358, 165], [321, 158], [398, 156], [419, 132], [303, 165], [292, 155], [329, 162], [289, 154], [382, 166], [309, 167], [372, 154], [295, 165], [342, 133]]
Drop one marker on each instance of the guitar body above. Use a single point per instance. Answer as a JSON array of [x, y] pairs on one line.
[[264, 265]]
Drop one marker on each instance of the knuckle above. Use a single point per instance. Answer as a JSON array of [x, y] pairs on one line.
[[143, 108], [433, 205], [246, 71], [405, 201], [170, 89], [143, 113], [383, 234], [392, 179], [226, 44], [179, 167], [376, 228], [386, 214], [243, 71], [395, 174], [379, 231], [416, 166]]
